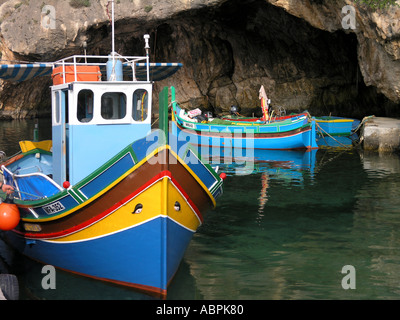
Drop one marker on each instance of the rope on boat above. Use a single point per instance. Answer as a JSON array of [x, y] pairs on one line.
[[155, 121], [169, 106], [322, 163], [319, 127], [365, 119], [29, 194], [172, 102], [4, 158]]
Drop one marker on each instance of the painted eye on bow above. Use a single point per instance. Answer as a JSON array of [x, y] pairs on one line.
[[138, 208], [177, 206]]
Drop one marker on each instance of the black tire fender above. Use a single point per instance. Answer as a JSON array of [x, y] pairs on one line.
[[9, 286]]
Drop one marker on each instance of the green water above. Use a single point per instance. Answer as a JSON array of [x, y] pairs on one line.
[[281, 230], [291, 239]]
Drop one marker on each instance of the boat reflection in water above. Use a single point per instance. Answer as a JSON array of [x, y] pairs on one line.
[[336, 141], [238, 161], [285, 165]]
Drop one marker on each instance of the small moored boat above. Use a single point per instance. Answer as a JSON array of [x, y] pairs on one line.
[[336, 126], [325, 125], [292, 133]]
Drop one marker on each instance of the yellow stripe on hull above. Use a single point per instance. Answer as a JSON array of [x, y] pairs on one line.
[[157, 200], [336, 120]]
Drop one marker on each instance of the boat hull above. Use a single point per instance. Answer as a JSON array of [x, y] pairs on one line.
[[132, 265], [297, 132], [335, 126], [254, 119], [134, 232], [302, 137], [325, 125]]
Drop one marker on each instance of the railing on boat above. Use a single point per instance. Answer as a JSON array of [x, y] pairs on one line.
[[77, 68]]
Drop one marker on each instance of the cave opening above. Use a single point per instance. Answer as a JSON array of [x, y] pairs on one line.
[[231, 50]]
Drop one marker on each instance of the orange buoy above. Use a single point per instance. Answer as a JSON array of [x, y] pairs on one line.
[[223, 175], [9, 215]]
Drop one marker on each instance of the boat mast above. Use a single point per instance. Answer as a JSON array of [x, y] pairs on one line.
[[112, 30], [111, 64]]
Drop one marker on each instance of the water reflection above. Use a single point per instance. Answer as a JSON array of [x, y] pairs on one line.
[[377, 223], [244, 258], [238, 161], [11, 132], [380, 164], [289, 166], [305, 234], [336, 141]]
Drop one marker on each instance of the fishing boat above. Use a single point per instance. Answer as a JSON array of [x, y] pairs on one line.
[[325, 125], [293, 133], [236, 117], [107, 197], [336, 126]]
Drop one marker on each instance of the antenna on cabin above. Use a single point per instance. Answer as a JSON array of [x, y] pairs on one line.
[[112, 29], [147, 46], [84, 45], [114, 66]]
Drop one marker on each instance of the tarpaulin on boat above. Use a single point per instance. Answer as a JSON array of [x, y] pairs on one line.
[[35, 187], [31, 187], [158, 71], [22, 72]]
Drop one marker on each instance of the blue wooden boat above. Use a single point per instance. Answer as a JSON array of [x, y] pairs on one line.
[[326, 125], [294, 133], [335, 126], [107, 197]]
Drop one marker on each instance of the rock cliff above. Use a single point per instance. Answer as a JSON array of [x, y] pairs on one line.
[[300, 50]]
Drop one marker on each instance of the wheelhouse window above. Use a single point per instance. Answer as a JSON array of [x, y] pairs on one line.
[[85, 106], [113, 105], [140, 105]]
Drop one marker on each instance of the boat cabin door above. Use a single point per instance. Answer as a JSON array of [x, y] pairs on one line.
[[60, 134]]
